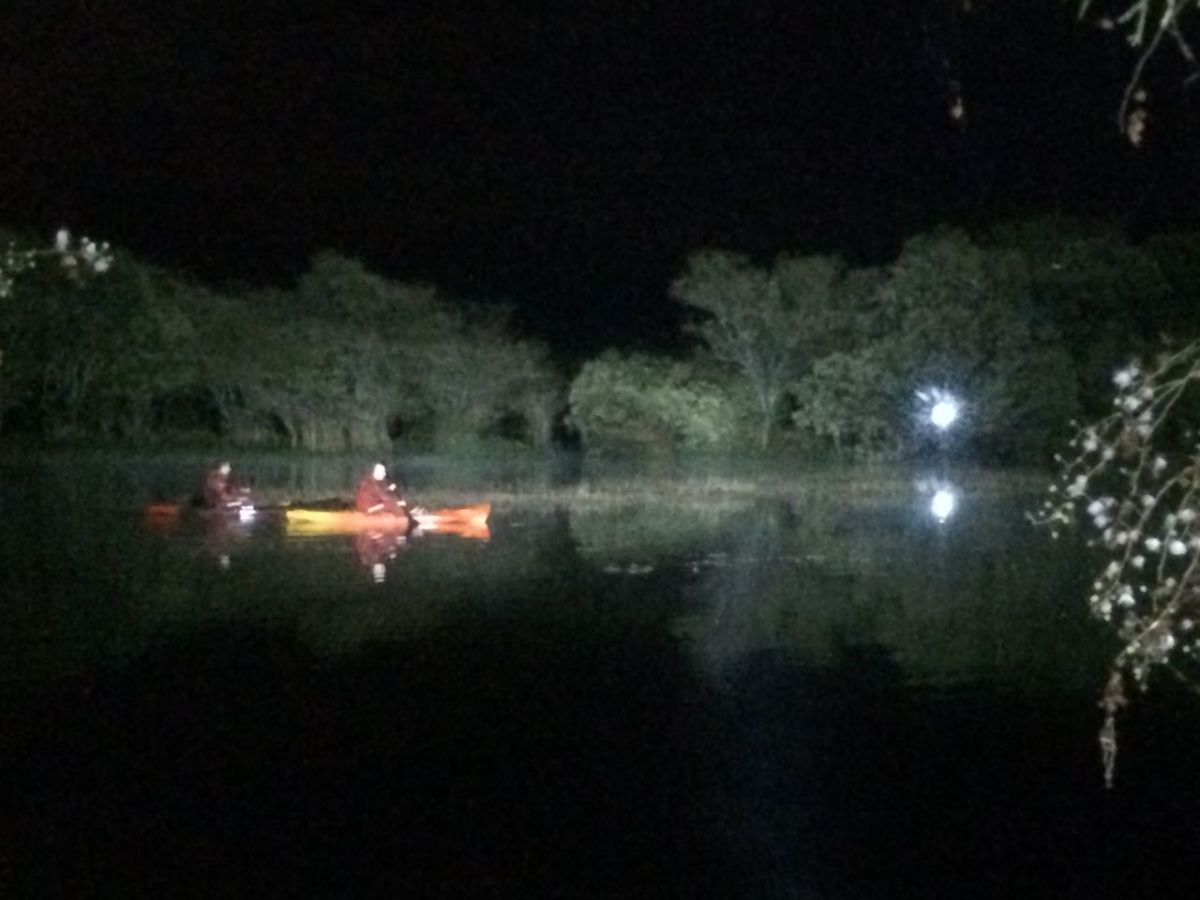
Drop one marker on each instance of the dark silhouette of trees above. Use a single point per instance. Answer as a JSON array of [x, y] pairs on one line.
[[333, 363]]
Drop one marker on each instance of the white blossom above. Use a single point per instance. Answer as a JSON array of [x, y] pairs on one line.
[[1163, 641]]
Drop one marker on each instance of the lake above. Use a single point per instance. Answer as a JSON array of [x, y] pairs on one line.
[[828, 696]]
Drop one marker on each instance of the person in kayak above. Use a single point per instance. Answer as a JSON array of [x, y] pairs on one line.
[[376, 496], [219, 493]]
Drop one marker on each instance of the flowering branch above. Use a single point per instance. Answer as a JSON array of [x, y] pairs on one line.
[[74, 256], [1147, 24], [1134, 478]]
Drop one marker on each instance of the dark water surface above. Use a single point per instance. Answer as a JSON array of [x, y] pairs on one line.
[[817, 700]]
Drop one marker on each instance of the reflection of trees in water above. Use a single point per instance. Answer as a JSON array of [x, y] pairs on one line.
[[956, 603], [651, 532], [969, 598]]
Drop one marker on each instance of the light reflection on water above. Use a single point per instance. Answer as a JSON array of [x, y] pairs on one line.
[[809, 697], [953, 599]]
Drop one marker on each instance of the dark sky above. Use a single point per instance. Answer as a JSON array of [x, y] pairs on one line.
[[565, 157]]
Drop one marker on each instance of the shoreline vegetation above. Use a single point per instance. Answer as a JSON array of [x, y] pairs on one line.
[[526, 480]]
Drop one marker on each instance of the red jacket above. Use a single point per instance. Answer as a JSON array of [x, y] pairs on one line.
[[377, 497], [217, 492]]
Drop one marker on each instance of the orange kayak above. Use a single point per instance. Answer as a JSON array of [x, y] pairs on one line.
[[171, 516], [465, 521]]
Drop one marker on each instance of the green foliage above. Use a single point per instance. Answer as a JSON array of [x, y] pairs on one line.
[[476, 378], [952, 315], [1023, 325], [966, 321], [1091, 284], [329, 365], [845, 399], [637, 400], [92, 356], [766, 325]]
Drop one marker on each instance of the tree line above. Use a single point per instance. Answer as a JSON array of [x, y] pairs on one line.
[[343, 359], [1024, 323]]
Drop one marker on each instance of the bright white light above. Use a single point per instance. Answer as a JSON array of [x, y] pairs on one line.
[[942, 505], [245, 512], [944, 413]]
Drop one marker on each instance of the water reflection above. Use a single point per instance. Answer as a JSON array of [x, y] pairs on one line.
[[802, 576], [943, 503], [375, 549], [218, 536], [940, 496], [810, 579], [822, 697]]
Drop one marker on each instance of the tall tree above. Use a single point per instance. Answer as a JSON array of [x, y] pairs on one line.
[[650, 402], [767, 325]]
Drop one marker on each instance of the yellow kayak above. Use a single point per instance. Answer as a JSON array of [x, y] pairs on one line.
[[466, 521]]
